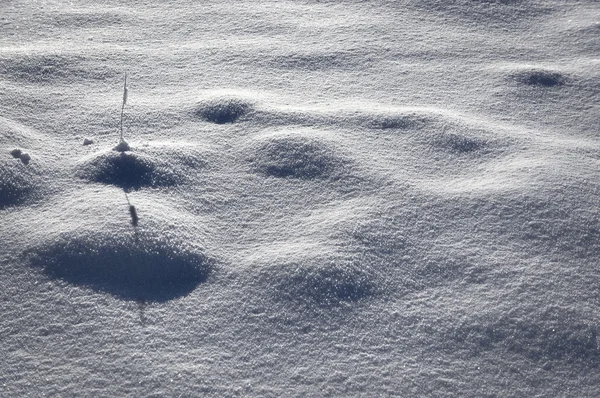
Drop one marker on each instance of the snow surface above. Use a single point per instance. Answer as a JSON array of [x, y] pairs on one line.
[[332, 198]]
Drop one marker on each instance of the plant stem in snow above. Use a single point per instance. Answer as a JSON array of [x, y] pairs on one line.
[[123, 106], [123, 145]]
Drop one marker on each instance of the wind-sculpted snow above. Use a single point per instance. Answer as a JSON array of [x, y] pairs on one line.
[[393, 121], [540, 78], [315, 198], [21, 177], [17, 182], [297, 156], [492, 13], [223, 110], [131, 266], [316, 61], [49, 68], [143, 166], [321, 281], [548, 337]]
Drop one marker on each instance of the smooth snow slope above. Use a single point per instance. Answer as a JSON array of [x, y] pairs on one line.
[[335, 198]]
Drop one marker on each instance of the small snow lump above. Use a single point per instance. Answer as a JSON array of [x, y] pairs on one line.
[[129, 170], [16, 183], [223, 110], [19, 154], [296, 156]]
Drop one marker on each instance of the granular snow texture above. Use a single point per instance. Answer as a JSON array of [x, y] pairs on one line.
[[318, 198]]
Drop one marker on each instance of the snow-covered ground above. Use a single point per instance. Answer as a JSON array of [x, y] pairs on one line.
[[333, 198]]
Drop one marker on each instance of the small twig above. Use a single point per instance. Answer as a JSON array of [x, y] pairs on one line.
[[123, 106]]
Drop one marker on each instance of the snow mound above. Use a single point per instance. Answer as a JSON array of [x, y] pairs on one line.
[[128, 266], [17, 182], [322, 281], [48, 68], [548, 336], [405, 260], [540, 77], [454, 138], [286, 155], [87, 19], [493, 13], [312, 61], [393, 121], [223, 110], [459, 142], [140, 167], [439, 144]]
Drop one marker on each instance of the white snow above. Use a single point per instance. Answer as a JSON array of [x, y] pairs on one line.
[[333, 198]]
